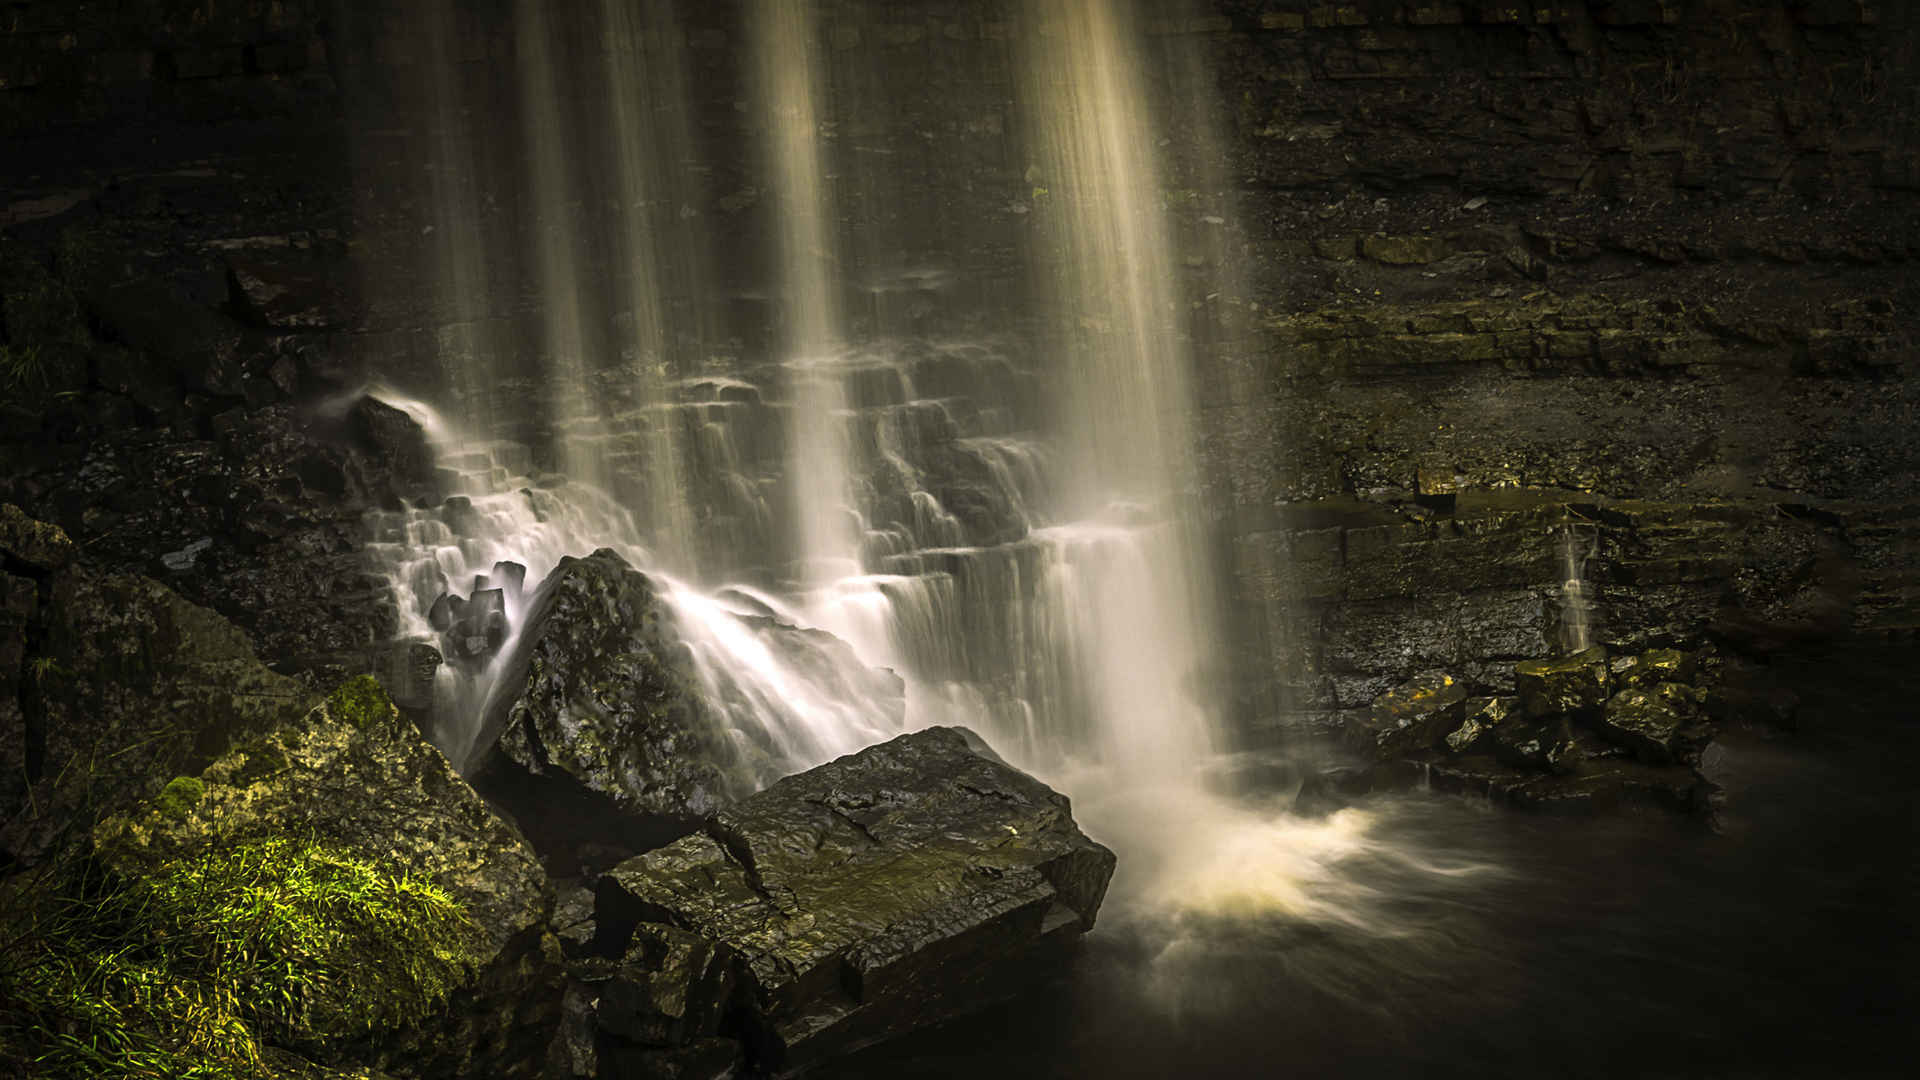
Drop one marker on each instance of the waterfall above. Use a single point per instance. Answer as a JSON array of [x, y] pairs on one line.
[[1127, 578], [557, 244], [789, 80], [651, 146], [1004, 510], [1576, 595]]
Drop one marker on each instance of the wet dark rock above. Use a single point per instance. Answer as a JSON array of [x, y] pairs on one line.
[[1597, 786], [597, 698], [1415, 716], [1661, 723], [1483, 716], [708, 1059], [128, 685], [1547, 744], [286, 294], [573, 922], [1648, 668], [201, 347], [873, 894], [19, 599], [1570, 685], [397, 444], [672, 988]]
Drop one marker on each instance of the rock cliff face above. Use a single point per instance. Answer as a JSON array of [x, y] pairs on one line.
[[1633, 271], [1473, 273]]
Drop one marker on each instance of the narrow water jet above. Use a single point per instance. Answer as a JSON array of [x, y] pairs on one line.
[[557, 245], [641, 68], [789, 86], [1576, 594]]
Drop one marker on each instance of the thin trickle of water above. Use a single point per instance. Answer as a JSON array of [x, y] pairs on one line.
[[1576, 595]]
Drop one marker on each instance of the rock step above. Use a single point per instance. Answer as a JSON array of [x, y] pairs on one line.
[[860, 899]]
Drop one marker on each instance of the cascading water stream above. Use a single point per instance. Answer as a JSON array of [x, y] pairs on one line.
[[1011, 525], [788, 71]]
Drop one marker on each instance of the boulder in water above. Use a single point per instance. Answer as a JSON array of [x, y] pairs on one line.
[[446, 611], [1661, 724], [510, 576], [1569, 686], [855, 901], [1414, 716], [598, 740]]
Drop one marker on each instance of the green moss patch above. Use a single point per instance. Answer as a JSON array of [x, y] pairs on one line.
[[360, 702], [181, 795], [189, 970]]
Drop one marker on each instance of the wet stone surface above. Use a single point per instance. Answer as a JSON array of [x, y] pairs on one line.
[[857, 900]]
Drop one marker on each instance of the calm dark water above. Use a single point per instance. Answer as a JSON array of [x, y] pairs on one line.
[[1779, 943]]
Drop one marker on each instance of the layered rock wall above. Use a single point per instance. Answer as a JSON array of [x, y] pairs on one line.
[[1471, 273], [1630, 271]]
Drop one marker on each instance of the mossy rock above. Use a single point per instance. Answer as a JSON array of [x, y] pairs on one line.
[[361, 702], [134, 687], [189, 966], [180, 796], [37, 545], [355, 779]]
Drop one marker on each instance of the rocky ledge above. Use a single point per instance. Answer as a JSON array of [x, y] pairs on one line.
[[332, 899], [1583, 731], [841, 906]]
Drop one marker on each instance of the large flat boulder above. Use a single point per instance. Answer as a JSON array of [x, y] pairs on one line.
[[854, 901]]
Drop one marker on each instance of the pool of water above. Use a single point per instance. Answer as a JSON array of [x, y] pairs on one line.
[[1777, 942]]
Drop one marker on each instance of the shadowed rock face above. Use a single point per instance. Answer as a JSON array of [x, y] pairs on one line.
[[109, 685], [868, 896]]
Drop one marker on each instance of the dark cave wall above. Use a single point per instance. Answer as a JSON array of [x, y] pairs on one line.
[[1480, 270]]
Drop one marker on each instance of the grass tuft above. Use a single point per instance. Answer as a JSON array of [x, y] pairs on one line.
[[190, 970]]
